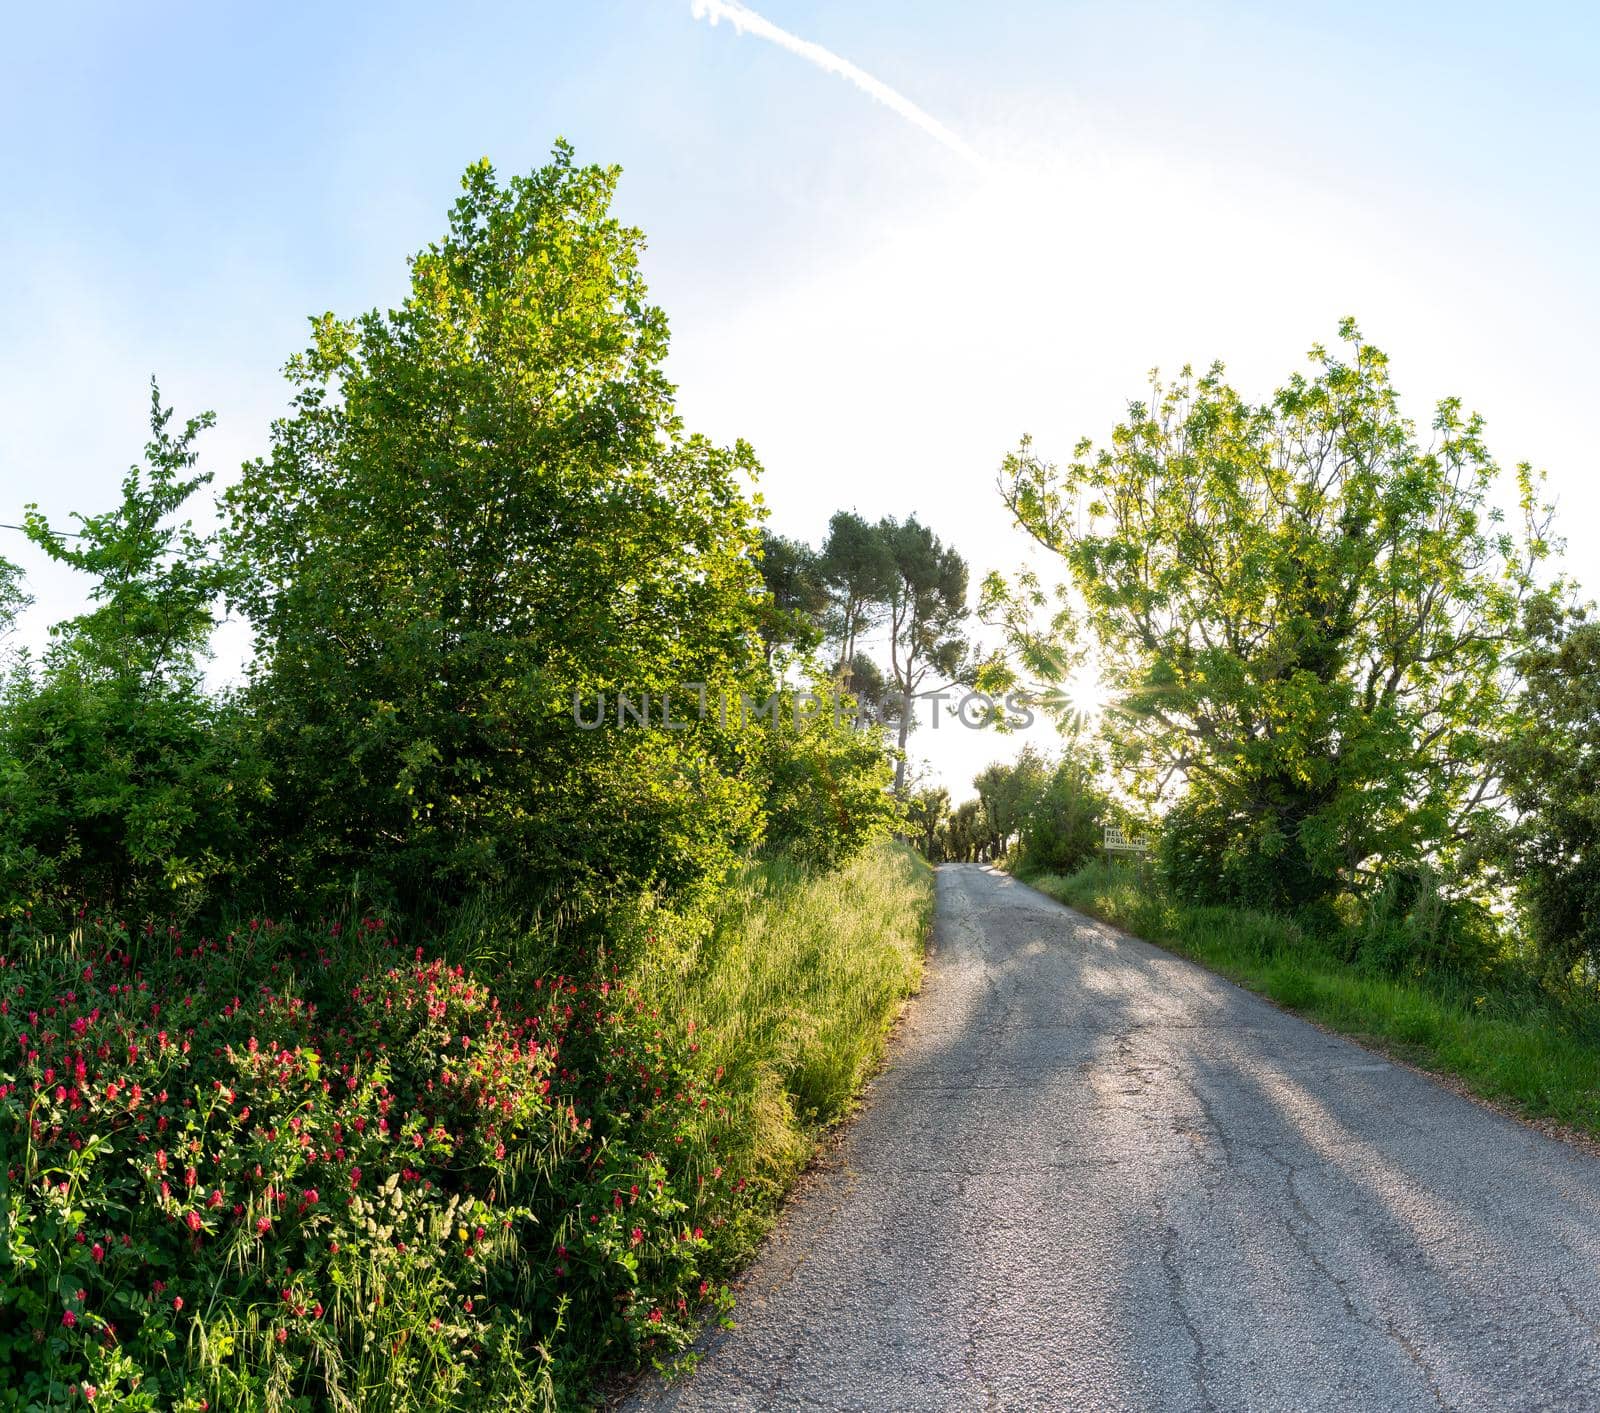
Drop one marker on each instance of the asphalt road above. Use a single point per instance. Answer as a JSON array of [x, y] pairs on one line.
[[1094, 1176]]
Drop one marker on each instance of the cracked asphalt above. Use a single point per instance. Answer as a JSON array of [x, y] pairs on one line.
[[1095, 1176]]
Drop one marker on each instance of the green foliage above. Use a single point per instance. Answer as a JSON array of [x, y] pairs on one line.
[[825, 781], [368, 1184], [1553, 770], [1212, 855], [13, 598], [927, 606], [966, 834], [1303, 610], [483, 509], [319, 1170], [1009, 794], [792, 993], [791, 617], [123, 779], [857, 570], [1412, 926], [1062, 828], [926, 812]]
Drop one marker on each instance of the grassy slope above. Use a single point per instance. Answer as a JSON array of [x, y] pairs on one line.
[[1515, 1044], [794, 992]]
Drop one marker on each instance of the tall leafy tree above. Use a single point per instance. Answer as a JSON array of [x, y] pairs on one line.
[[926, 812], [965, 832], [791, 617], [481, 512], [1553, 771], [1009, 791], [927, 601], [857, 567], [124, 780], [1306, 611]]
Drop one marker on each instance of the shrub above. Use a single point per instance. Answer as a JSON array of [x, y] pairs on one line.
[[1063, 830], [255, 1170], [826, 783], [1212, 855], [122, 780], [1411, 926], [1552, 769]]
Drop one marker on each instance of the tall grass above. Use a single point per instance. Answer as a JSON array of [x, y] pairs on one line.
[[1505, 1035], [794, 989]]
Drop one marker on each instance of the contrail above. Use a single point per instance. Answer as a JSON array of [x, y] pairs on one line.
[[745, 20]]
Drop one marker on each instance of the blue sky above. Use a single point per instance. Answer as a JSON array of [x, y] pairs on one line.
[[181, 185]]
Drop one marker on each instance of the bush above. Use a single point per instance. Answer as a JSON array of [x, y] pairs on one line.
[[1063, 830], [1209, 855], [311, 1167], [826, 784], [123, 782], [1411, 927], [1552, 767], [135, 799], [250, 1171]]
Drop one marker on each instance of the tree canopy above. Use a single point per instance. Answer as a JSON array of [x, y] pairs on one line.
[[1553, 774], [482, 507], [1307, 612]]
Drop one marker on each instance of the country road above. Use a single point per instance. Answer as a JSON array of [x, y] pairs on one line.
[[1094, 1176]]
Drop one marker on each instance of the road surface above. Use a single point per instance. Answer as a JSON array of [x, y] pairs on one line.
[[1094, 1176]]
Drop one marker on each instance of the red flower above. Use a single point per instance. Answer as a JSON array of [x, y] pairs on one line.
[[68, 1319]]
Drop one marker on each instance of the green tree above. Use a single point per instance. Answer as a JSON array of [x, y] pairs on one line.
[[1062, 829], [825, 783], [1009, 791], [1553, 772], [13, 598], [927, 609], [791, 617], [868, 686], [482, 521], [1306, 613], [964, 832], [858, 571], [157, 585], [125, 782], [926, 811]]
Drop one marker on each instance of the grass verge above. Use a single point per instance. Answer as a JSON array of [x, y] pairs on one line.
[[1506, 1038], [793, 992]]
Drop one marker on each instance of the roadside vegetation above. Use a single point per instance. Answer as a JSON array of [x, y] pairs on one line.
[[1346, 700], [435, 1019]]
